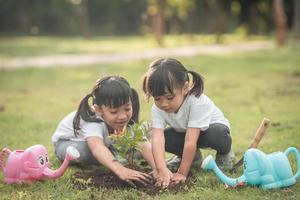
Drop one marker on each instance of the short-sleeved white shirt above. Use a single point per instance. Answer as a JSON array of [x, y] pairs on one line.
[[65, 130], [195, 112]]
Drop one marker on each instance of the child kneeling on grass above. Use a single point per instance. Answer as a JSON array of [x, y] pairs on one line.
[[194, 121], [115, 106]]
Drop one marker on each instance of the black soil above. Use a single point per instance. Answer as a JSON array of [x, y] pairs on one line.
[[106, 179]]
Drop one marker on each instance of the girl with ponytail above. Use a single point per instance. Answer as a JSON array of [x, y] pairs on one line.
[[111, 106], [193, 121]]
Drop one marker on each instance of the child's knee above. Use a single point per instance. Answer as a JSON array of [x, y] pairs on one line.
[[218, 137], [225, 145], [60, 152]]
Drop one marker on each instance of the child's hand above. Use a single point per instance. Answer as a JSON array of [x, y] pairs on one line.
[[178, 178], [130, 175], [154, 174], [164, 178]]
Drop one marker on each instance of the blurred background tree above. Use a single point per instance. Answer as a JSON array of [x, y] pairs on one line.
[[90, 18], [296, 21]]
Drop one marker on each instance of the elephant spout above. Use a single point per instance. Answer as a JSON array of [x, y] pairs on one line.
[[210, 164], [71, 154]]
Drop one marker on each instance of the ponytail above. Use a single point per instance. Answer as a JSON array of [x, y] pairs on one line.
[[84, 112], [198, 84], [135, 106]]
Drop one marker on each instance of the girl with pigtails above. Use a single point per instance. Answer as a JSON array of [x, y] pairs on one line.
[[115, 105], [184, 120]]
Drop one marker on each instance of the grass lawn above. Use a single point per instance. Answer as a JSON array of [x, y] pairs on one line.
[[43, 45], [245, 86]]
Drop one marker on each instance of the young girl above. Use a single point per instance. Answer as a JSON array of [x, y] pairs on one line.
[[194, 120], [114, 106]]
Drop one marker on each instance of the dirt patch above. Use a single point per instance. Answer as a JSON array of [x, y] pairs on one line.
[[106, 179], [296, 74], [87, 59]]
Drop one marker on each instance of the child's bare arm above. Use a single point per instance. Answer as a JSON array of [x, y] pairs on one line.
[[102, 153], [189, 150], [158, 149]]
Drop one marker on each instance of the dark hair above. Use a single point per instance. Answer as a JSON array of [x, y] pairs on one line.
[[112, 91], [166, 74]]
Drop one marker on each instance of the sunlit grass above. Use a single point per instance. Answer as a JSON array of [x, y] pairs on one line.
[[43, 45], [246, 87]]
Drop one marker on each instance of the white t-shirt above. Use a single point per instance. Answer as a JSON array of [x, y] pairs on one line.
[[195, 112], [65, 130]]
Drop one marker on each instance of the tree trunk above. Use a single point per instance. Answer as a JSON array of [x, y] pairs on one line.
[[249, 16], [158, 21], [280, 22], [296, 23], [220, 18], [84, 20]]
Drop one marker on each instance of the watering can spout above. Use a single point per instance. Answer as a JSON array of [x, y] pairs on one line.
[[71, 154], [210, 164]]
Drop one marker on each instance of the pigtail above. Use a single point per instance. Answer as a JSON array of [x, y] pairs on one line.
[[135, 106], [84, 112], [198, 84], [145, 85]]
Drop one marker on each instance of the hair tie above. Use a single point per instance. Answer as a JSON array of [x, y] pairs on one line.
[[92, 95]]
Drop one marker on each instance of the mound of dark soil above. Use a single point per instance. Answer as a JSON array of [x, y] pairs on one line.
[[107, 179]]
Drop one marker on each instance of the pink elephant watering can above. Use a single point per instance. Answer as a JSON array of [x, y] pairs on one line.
[[32, 164]]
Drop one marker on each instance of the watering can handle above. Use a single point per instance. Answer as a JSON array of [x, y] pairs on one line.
[[297, 155]]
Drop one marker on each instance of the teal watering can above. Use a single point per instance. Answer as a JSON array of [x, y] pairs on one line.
[[267, 171]]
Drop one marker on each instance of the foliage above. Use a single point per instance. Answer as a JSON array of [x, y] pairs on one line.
[[101, 17], [127, 141]]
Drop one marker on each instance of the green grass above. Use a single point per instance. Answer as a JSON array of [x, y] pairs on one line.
[[36, 46], [246, 86]]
